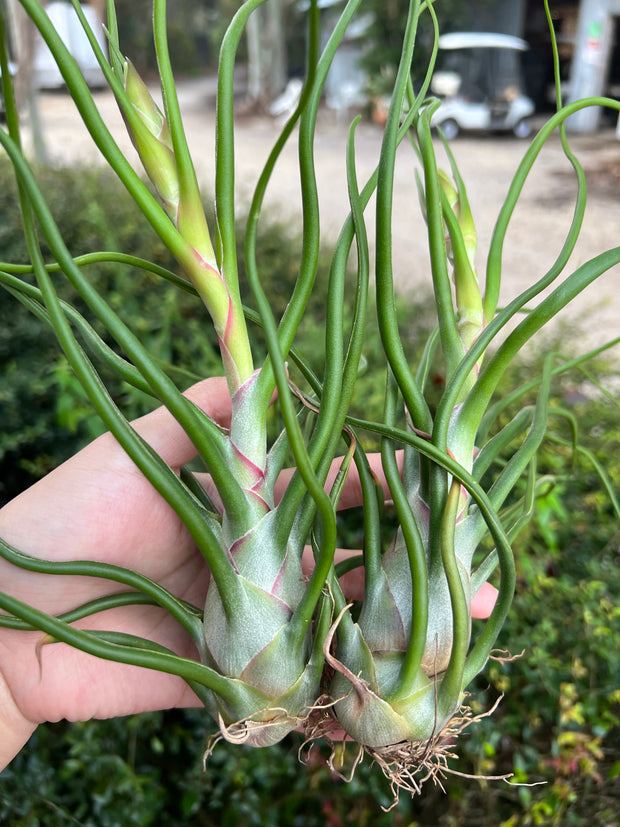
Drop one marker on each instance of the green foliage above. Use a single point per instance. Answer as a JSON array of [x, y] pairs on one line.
[[384, 39], [147, 770], [195, 30]]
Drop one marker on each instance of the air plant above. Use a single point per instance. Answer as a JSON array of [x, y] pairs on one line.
[[276, 650]]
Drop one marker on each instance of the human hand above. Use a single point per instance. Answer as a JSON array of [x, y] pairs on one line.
[[98, 506]]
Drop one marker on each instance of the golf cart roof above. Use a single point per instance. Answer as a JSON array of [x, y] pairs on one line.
[[481, 40]]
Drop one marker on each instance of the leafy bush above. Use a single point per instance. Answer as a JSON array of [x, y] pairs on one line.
[[384, 39], [195, 30]]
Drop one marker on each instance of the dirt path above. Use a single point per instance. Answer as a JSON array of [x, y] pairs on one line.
[[487, 165]]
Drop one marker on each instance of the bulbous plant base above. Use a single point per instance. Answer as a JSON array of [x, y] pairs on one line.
[[274, 725], [410, 764], [267, 727], [407, 765]]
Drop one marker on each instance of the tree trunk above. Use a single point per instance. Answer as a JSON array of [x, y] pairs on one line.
[[24, 36], [267, 71]]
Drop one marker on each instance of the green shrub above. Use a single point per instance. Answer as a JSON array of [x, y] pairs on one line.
[[195, 29]]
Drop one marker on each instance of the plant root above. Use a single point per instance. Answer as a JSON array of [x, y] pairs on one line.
[[256, 733], [407, 765], [322, 725], [504, 656], [253, 732], [410, 764]]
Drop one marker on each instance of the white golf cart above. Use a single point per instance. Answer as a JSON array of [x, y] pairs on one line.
[[479, 84]]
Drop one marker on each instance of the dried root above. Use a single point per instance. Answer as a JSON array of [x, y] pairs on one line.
[[410, 764], [272, 725], [266, 727], [504, 656], [407, 765]]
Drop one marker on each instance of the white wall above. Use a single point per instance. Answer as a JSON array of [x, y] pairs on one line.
[[590, 66]]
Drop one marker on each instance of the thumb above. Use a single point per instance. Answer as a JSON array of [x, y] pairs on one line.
[[164, 434]]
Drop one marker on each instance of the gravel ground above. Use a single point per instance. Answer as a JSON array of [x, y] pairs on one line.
[[487, 164]]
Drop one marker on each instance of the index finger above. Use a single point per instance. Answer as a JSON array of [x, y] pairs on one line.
[[166, 436], [351, 495]]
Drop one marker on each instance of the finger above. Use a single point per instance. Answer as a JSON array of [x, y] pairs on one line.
[[353, 582], [351, 495], [163, 433], [483, 601]]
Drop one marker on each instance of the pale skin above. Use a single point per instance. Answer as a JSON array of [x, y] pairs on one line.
[[98, 506]]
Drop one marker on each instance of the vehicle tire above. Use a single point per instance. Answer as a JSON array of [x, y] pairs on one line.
[[450, 128], [522, 128]]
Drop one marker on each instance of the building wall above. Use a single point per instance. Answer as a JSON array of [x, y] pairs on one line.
[[586, 42], [590, 67]]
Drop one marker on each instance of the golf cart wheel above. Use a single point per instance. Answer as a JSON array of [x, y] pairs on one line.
[[522, 128], [450, 128]]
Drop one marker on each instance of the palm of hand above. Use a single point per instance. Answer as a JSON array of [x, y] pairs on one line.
[[98, 506]]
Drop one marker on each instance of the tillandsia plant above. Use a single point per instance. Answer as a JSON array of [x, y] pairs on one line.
[[278, 649]]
